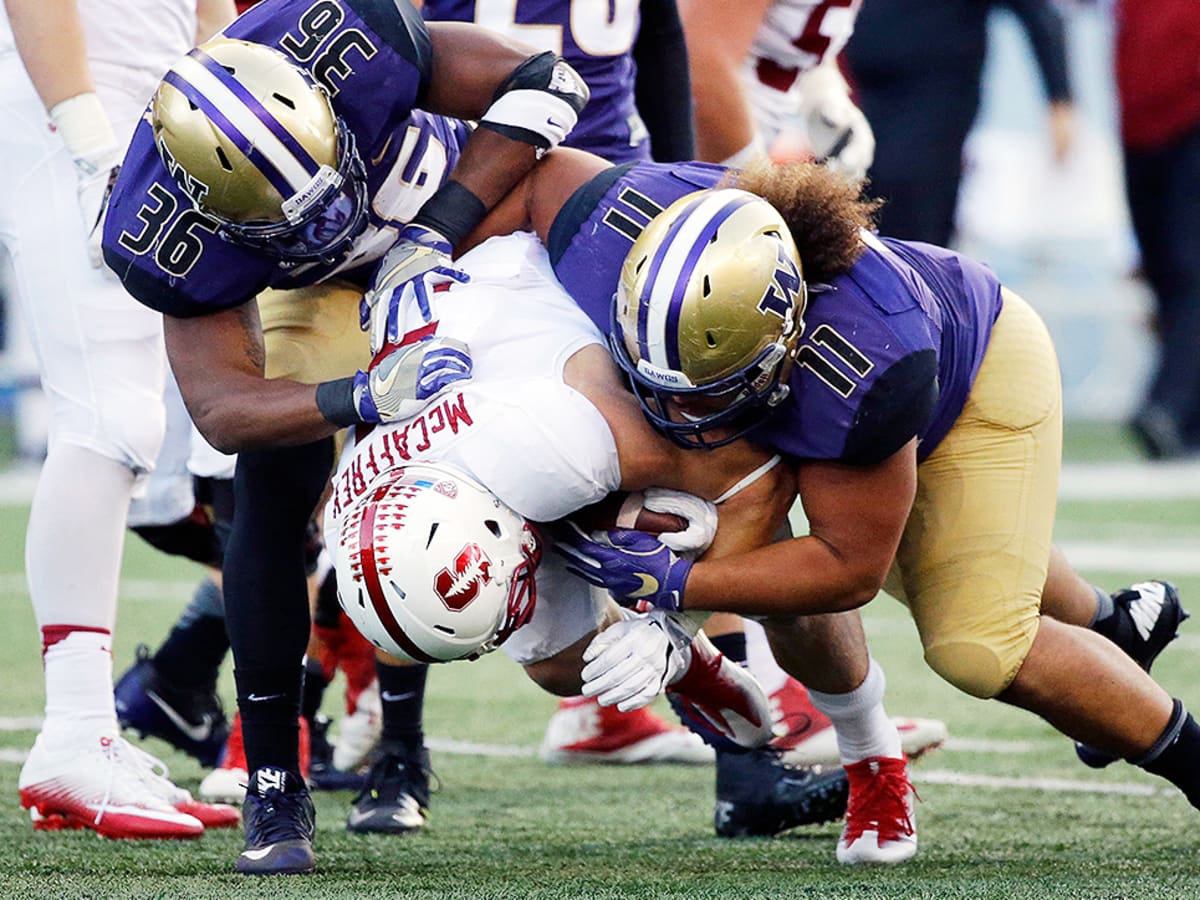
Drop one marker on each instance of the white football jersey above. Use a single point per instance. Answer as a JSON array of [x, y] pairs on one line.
[[798, 34], [536, 443]]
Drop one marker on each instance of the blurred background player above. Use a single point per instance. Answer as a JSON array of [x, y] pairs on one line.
[[92, 67], [917, 70], [1158, 88], [758, 78]]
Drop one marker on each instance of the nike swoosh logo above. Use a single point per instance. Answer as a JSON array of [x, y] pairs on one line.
[[258, 698], [201, 732], [378, 159], [393, 698], [258, 852], [383, 383]]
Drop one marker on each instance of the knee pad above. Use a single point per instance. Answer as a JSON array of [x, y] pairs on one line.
[[971, 666]]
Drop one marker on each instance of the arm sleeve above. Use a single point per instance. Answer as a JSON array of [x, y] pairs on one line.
[[1047, 33], [663, 89]]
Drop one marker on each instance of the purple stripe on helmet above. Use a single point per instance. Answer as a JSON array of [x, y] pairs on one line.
[[231, 131], [264, 115], [679, 288]]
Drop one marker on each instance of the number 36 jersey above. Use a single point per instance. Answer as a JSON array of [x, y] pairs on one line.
[[889, 350], [374, 57]]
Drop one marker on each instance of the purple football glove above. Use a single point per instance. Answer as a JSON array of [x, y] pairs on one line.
[[637, 568], [411, 269]]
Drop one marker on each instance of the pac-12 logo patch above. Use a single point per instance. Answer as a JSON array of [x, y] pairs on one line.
[[459, 583], [447, 489]]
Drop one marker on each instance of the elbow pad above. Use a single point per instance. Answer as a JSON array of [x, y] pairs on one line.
[[539, 103]]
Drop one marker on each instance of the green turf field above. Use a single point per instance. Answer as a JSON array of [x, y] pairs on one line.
[[1006, 810]]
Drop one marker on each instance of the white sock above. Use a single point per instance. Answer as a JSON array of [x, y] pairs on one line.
[[760, 660], [79, 694], [862, 726], [75, 537]]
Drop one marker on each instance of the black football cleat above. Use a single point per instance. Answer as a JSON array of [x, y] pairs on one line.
[[759, 795], [1147, 619], [395, 799], [280, 822], [189, 719]]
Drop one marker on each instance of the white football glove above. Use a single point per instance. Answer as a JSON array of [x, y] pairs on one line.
[[633, 661], [88, 136], [837, 131], [700, 515]]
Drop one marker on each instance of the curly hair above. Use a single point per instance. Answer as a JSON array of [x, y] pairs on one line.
[[823, 210]]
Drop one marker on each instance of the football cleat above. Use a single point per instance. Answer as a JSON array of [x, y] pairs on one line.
[[322, 775], [359, 730], [759, 795], [227, 782], [100, 783], [156, 774], [879, 816], [807, 737], [582, 731], [395, 799], [189, 719], [1147, 618], [721, 701], [280, 822]]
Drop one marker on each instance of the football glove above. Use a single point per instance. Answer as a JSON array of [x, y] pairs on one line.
[[630, 663], [85, 130], [417, 263], [402, 383], [638, 569], [837, 131], [700, 515]]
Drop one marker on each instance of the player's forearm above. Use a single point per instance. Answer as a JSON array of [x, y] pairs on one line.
[[247, 414], [50, 40], [212, 16], [800, 576]]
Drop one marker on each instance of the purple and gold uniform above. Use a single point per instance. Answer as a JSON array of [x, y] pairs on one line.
[[889, 350], [912, 342], [374, 58], [596, 39]]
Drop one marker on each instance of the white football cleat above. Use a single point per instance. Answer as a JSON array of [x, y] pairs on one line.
[[358, 732], [879, 814], [100, 782], [582, 731], [157, 777]]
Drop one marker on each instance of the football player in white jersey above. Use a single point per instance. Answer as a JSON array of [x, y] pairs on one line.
[[775, 60], [91, 66]]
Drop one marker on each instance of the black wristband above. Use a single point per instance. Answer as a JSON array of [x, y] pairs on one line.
[[335, 400], [452, 212]]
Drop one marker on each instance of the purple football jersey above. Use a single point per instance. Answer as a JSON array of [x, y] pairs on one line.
[[596, 39], [889, 349], [374, 58]]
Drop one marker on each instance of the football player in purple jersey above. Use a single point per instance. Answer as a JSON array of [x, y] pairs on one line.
[[287, 153], [919, 402]]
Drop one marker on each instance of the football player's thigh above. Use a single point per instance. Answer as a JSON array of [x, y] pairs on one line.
[[974, 555], [100, 352], [567, 610], [311, 334]]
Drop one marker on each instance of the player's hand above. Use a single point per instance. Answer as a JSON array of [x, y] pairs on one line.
[[638, 569], [633, 661], [837, 131], [83, 125], [417, 263], [95, 187], [700, 515], [402, 383]]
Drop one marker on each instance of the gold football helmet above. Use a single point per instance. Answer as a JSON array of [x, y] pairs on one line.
[[255, 143], [707, 314]]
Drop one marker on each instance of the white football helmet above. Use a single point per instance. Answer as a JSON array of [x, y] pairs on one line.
[[432, 567]]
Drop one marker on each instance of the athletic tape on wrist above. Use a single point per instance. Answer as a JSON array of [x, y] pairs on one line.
[[335, 400], [452, 212], [83, 125], [539, 103]]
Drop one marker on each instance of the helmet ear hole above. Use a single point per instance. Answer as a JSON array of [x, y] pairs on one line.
[[710, 339], [494, 527]]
